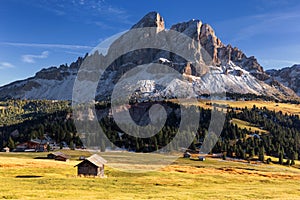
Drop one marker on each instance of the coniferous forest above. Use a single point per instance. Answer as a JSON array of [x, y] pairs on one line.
[[280, 136]]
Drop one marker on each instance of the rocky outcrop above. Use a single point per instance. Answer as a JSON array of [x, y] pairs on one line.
[[219, 53], [152, 19], [54, 83], [204, 34], [289, 76]]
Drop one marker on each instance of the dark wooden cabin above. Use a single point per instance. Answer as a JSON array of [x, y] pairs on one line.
[[186, 155], [58, 156], [92, 166]]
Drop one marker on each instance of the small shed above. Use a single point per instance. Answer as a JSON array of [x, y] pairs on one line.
[[217, 155], [81, 157], [201, 158], [6, 149], [92, 166], [186, 155], [58, 156]]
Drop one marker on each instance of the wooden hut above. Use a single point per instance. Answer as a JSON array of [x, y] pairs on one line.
[[92, 166], [58, 156], [186, 155], [201, 158]]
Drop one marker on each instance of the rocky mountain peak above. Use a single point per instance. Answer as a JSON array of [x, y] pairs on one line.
[[219, 53], [204, 34], [229, 67], [288, 76], [152, 19], [207, 33], [210, 42], [191, 28]]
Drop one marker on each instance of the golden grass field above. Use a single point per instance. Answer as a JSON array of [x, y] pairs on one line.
[[23, 177], [244, 124], [270, 105], [283, 107]]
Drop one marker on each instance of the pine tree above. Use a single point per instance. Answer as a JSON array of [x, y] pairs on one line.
[[48, 147], [72, 145], [280, 159], [251, 154], [155, 144], [261, 154], [102, 145], [11, 143], [293, 158]]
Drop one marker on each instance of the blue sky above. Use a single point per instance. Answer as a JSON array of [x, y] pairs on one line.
[[38, 34]]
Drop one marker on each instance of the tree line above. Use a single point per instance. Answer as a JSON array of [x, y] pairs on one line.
[[281, 139]]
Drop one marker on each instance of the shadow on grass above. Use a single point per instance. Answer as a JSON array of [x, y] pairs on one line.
[[42, 158], [28, 176]]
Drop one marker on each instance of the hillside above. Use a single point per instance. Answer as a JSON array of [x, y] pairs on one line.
[[260, 131]]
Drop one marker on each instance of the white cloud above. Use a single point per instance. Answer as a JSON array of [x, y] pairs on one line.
[[81, 2], [272, 23], [103, 25], [5, 65], [74, 53], [87, 10], [58, 46], [114, 10], [31, 58]]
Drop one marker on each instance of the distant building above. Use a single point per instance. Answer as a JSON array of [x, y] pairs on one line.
[[58, 156], [92, 166], [37, 144], [201, 158], [217, 155], [81, 157], [6, 149]]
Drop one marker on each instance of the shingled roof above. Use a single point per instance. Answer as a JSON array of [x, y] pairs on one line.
[[58, 153], [95, 160]]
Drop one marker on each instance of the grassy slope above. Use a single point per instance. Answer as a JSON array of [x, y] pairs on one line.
[[283, 107], [184, 179], [244, 124]]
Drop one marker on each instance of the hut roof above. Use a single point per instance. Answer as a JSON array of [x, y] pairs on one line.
[[58, 153], [95, 160]]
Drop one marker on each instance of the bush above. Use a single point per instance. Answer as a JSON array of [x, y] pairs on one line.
[[288, 162], [293, 162], [224, 156]]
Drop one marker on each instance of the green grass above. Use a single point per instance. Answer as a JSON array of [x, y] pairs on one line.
[[184, 179], [247, 125]]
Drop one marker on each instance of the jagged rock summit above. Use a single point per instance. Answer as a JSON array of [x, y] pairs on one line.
[[229, 67], [152, 19], [288, 76]]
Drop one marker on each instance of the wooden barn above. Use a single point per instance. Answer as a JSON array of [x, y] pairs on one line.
[[58, 156], [92, 166], [186, 155], [201, 158]]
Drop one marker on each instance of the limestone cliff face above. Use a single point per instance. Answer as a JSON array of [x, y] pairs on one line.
[[152, 19], [219, 53]]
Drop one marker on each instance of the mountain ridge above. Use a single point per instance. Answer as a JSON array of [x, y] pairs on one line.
[[288, 76], [231, 67]]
